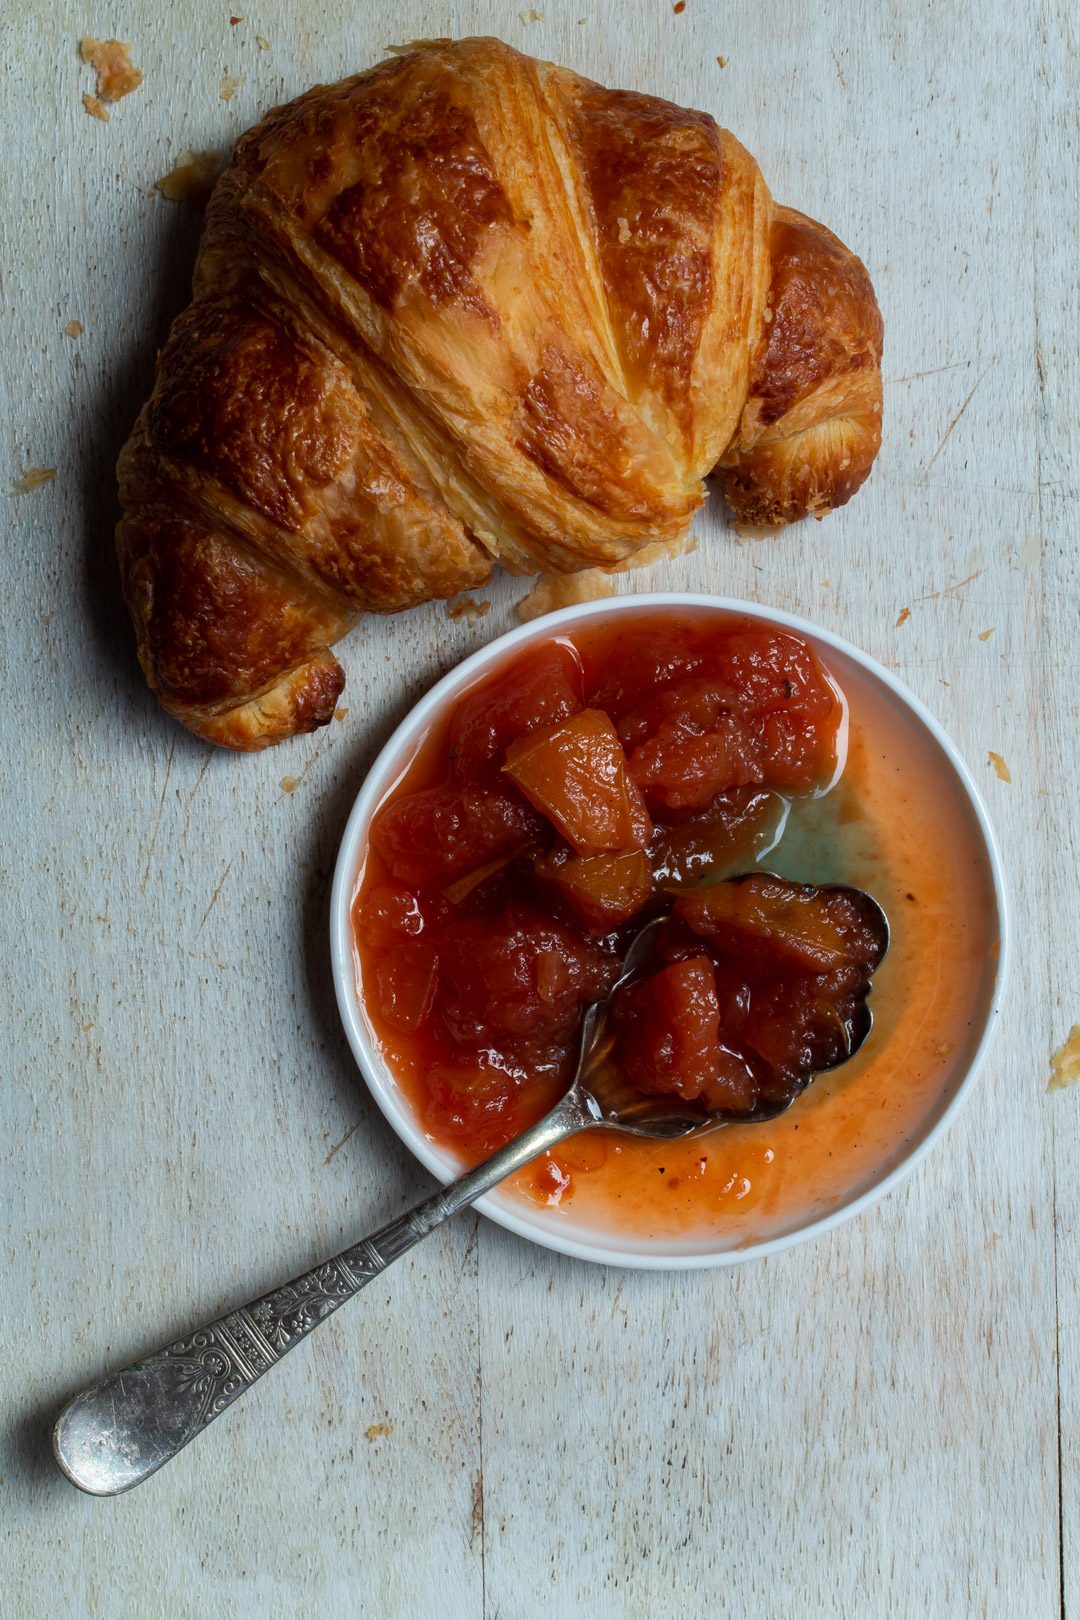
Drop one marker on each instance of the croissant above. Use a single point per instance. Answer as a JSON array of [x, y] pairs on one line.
[[464, 309]]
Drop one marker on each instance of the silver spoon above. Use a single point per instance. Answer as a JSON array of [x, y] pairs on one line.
[[119, 1432]]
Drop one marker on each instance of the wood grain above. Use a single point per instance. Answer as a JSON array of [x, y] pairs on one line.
[[867, 1426]]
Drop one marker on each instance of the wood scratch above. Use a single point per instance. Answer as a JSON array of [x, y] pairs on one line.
[[214, 898], [956, 418], [295, 781], [198, 780], [951, 590], [157, 819], [934, 371], [476, 1517], [198, 783], [839, 69], [339, 1145]]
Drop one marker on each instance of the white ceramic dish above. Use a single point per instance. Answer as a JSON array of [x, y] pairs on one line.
[[541, 1225]]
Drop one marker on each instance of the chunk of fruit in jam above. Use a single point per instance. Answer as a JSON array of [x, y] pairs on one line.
[[521, 978], [604, 890], [687, 745], [724, 837], [405, 980], [459, 891], [669, 1027], [769, 671], [758, 710], [540, 690], [780, 997], [802, 1029], [575, 774], [783, 927], [796, 753], [638, 665], [432, 838], [472, 1100], [388, 914]]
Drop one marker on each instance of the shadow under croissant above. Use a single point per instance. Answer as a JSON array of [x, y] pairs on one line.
[[107, 419]]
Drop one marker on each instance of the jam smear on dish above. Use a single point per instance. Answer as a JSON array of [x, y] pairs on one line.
[[552, 814]]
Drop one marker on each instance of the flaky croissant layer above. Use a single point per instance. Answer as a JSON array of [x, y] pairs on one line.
[[465, 309]]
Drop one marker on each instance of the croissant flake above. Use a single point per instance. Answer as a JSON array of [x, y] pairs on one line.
[[1065, 1062], [554, 591], [33, 478], [117, 76], [191, 178]]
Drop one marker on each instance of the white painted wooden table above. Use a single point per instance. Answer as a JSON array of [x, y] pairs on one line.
[[884, 1423]]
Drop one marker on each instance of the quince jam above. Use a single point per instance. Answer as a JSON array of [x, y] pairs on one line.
[[550, 814]]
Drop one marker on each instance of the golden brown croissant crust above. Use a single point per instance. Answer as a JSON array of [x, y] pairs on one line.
[[465, 309]]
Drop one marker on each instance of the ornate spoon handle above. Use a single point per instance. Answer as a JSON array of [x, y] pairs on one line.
[[119, 1432]]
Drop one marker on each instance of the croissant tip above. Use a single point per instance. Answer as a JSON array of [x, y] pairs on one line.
[[302, 701]]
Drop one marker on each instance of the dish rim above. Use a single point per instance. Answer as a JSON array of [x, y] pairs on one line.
[[393, 758]]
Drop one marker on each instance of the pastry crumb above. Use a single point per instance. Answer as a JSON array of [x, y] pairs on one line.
[[902, 617], [339, 714], [376, 1431], [679, 7], [624, 230], [74, 329], [117, 75], [1003, 772], [469, 609], [984, 635], [33, 478], [289, 784], [532, 15], [230, 84], [191, 180], [262, 42], [554, 591], [234, 20], [1065, 1062], [95, 108]]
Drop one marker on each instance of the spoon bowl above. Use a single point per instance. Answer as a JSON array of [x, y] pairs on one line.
[[604, 1088]]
